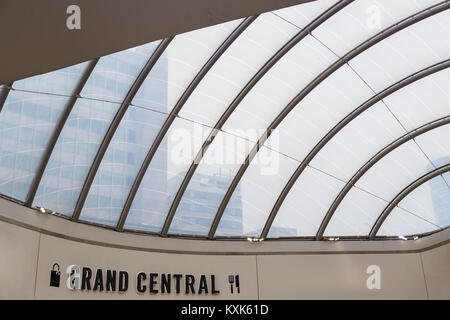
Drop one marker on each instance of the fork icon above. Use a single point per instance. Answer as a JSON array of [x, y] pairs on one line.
[[234, 280]]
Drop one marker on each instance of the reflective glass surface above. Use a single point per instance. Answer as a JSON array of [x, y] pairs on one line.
[[26, 124]]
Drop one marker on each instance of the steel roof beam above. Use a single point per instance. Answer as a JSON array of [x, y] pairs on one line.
[[378, 156], [366, 105], [237, 100], [4, 94], [402, 194], [57, 131], [173, 114], [339, 63], [115, 124]]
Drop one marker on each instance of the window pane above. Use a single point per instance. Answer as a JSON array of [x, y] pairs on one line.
[[402, 223], [256, 194], [279, 86], [436, 145], [114, 74], [236, 67], [429, 202], [368, 18], [120, 164], [409, 50], [179, 64], [356, 214], [27, 121], [164, 175], [208, 185], [302, 14], [318, 113], [384, 180], [422, 101], [62, 81], [73, 155], [306, 204], [358, 141]]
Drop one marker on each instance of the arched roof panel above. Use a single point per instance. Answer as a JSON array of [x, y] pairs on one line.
[[325, 119]]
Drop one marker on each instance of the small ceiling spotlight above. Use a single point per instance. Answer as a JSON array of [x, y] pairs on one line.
[[42, 209], [402, 237], [416, 237], [250, 239], [333, 238]]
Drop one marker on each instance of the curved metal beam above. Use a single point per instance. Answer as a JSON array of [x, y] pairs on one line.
[[173, 114], [399, 197], [352, 115], [4, 94], [261, 72], [115, 123], [313, 84], [378, 156], [57, 131]]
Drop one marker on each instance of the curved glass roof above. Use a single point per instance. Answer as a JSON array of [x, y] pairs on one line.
[[323, 120]]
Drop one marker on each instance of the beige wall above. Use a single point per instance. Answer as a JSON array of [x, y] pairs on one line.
[[19, 249], [436, 268], [30, 243], [340, 276], [67, 252]]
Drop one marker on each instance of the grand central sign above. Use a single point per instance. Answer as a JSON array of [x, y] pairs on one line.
[[87, 279]]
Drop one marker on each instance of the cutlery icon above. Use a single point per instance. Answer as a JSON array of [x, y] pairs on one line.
[[234, 280]]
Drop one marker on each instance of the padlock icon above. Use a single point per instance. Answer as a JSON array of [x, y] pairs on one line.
[[55, 275]]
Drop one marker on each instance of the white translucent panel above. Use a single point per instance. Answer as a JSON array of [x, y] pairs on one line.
[[209, 184], [120, 164], [184, 57], [258, 190], [405, 52], [395, 171], [165, 174], [367, 17], [27, 121], [446, 177], [356, 214], [359, 210], [306, 204], [235, 68], [73, 154], [436, 145], [422, 101], [358, 141], [279, 86], [62, 81], [430, 201], [114, 74], [302, 14], [402, 223], [318, 113]]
